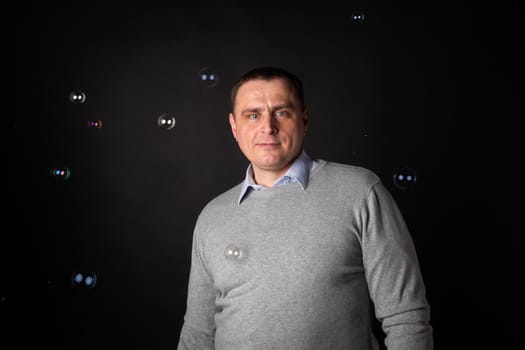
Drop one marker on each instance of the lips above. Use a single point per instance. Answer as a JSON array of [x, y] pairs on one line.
[[268, 144]]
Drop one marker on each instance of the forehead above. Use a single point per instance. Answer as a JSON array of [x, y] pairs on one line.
[[277, 88]]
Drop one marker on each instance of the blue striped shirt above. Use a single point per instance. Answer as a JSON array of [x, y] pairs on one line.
[[299, 171]]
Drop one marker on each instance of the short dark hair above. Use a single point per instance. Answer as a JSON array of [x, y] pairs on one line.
[[269, 73]]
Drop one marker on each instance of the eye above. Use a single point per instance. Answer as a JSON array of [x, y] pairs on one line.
[[281, 114], [253, 116]]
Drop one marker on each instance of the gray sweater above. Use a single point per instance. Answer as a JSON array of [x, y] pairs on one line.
[[296, 269]]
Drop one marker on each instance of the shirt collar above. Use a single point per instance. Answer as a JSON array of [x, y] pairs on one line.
[[299, 171]]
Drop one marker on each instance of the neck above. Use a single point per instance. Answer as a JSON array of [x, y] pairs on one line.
[[268, 177]]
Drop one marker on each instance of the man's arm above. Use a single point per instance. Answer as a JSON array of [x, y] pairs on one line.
[[393, 274], [198, 330]]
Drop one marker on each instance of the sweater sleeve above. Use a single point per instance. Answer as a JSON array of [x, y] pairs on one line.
[[198, 329], [393, 274]]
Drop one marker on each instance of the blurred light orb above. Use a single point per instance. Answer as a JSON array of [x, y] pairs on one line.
[[233, 252], [60, 173], [208, 76], [94, 124], [78, 278], [89, 281], [166, 121], [77, 96], [84, 280], [358, 17], [405, 178]]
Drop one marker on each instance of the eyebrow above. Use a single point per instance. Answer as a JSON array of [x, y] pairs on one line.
[[277, 107]]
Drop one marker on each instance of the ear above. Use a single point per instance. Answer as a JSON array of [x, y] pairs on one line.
[[305, 120], [233, 126]]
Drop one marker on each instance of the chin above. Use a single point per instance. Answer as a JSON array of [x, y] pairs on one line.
[[272, 164]]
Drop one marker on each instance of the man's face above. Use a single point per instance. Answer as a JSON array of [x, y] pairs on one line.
[[268, 124]]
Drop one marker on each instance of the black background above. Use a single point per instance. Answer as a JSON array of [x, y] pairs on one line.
[[425, 86]]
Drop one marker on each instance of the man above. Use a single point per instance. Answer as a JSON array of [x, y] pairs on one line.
[[296, 255]]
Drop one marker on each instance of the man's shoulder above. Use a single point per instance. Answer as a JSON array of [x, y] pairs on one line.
[[342, 172]]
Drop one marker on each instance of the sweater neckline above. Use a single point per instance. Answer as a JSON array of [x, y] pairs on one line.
[[268, 191]]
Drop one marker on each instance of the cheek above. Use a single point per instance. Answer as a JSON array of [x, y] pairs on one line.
[[297, 133], [244, 135]]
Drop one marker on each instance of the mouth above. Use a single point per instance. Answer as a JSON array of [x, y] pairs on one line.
[[268, 144]]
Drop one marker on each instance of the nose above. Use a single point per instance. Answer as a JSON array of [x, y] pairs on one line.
[[269, 125]]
